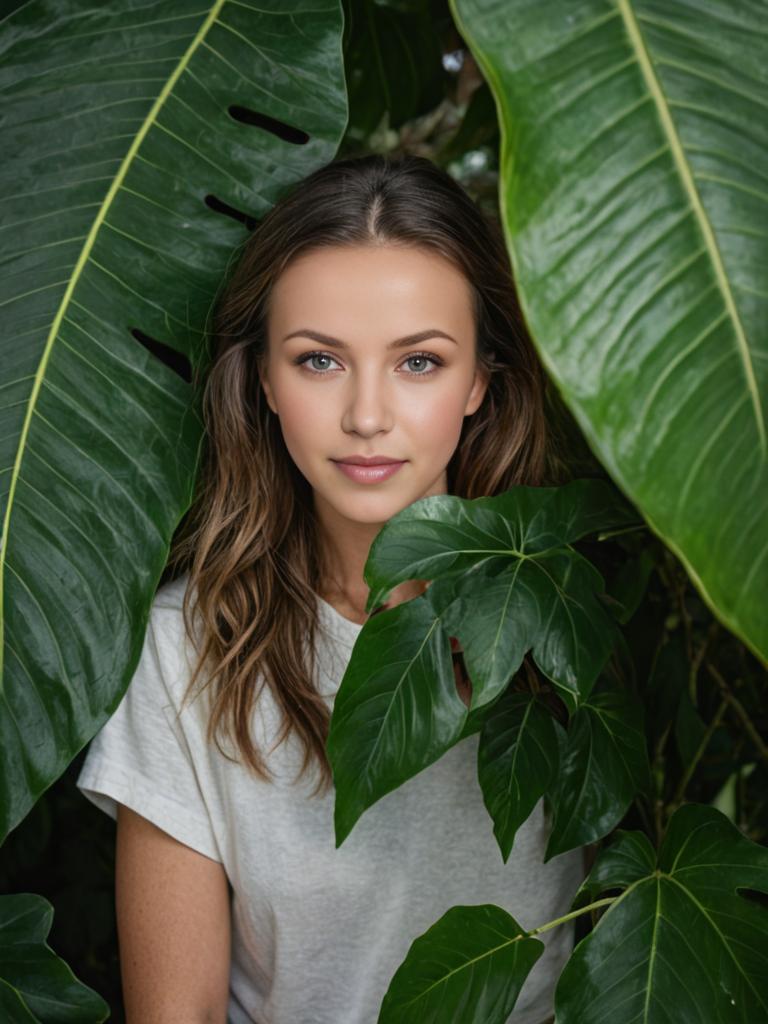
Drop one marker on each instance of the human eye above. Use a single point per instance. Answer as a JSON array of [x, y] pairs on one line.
[[307, 356], [423, 357]]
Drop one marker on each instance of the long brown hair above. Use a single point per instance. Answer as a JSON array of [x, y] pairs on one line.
[[249, 541]]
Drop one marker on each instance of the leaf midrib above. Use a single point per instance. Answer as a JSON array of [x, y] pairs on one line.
[[82, 261], [637, 42]]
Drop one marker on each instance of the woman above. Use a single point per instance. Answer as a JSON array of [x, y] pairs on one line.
[[372, 316]]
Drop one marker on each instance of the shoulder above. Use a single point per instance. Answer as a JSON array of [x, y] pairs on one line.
[[167, 636]]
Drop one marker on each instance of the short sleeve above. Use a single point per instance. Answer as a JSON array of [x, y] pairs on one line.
[[142, 758]]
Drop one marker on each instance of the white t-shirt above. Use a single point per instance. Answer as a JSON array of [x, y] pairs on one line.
[[317, 933]]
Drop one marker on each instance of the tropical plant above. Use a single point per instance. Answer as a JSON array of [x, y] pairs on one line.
[[145, 141]]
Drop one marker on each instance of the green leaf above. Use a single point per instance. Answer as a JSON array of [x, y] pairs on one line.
[[517, 759], [518, 585], [681, 943], [469, 966], [633, 168], [35, 985], [603, 765], [120, 123], [548, 604], [397, 708], [394, 56], [444, 535], [629, 858]]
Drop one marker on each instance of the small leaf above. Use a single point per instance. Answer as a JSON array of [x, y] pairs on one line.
[[629, 857], [469, 966], [517, 760], [604, 764], [681, 943], [35, 984]]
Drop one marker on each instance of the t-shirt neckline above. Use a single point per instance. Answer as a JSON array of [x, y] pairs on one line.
[[346, 624]]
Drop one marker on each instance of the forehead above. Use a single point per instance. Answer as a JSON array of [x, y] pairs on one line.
[[392, 288]]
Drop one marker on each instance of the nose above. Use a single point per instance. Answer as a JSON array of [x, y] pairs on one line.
[[367, 405]]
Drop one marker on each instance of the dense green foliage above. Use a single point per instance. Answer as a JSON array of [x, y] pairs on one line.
[[624, 142]]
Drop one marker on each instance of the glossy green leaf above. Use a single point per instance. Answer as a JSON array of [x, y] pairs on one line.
[[36, 987], [682, 943], [396, 710], [548, 604], [519, 585], [517, 760], [603, 765], [128, 170], [444, 535], [633, 187], [469, 966]]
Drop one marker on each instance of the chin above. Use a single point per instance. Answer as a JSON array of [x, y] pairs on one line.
[[374, 509]]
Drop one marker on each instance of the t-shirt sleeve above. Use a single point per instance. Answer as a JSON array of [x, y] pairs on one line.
[[141, 758]]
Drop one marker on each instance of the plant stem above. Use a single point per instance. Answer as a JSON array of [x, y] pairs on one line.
[[574, 913], [680, 793], [738, 707]]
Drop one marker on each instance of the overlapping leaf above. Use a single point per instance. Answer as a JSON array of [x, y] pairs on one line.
[[397, 708], [633, 186], [504, 580], [36, 987], [137, 139], [443, 535], [683, 942], [517, 759], [603, 764], [469, 967]]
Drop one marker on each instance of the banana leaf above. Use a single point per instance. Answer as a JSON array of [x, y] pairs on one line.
[[140, 140], [633, 187]]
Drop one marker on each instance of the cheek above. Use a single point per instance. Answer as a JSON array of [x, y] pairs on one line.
[[436, 419]]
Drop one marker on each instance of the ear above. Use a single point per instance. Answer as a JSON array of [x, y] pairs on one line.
[[264, 380], [477, 393]]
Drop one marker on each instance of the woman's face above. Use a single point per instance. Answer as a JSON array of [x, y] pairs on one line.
[[345, 380]]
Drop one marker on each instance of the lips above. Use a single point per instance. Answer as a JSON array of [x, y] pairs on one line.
[[371, 460], [370, 473]]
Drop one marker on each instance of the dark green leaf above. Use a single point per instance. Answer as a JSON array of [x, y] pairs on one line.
[[119, 124], [397, 708], [35, 985], [628, 858], [632, 182], [548, 603], [468, 967], [445, 535], [603, 766], [517, 759], [681, 943]]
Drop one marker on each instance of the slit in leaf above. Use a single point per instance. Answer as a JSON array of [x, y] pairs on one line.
[[219, 206], [174, 360], [283, 131]]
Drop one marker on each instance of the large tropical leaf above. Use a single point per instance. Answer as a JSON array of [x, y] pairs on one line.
[[633, 186], [682, 943], [137, 139]]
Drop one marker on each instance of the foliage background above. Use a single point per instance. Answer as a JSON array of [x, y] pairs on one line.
[[413, 87]]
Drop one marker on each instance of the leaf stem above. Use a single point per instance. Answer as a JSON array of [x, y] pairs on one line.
[[574, 913], [738, 707], [680, 792]]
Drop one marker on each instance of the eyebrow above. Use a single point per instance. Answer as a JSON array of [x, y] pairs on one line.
[[409, 339]]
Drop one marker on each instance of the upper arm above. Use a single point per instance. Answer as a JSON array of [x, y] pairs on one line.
[[173, 922]]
